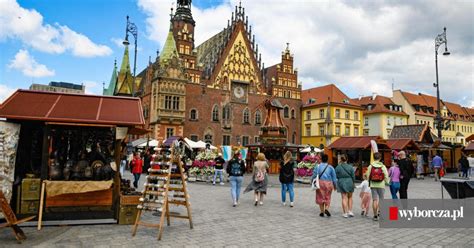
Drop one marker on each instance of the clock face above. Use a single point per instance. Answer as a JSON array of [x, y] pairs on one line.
[[239, 92]]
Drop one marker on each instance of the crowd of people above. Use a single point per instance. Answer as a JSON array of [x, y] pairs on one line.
[[327, 177]]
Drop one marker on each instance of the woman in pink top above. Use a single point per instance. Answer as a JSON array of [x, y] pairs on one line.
[[394, 174]]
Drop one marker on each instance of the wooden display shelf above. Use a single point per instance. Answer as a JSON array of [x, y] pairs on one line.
[[95, 198]]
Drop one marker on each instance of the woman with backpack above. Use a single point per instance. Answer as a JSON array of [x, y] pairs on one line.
[[259, 179], [377, 176], [236, 170], [327, 182], [345, 185], [287, 176]]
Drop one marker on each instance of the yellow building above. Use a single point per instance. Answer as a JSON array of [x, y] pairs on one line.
[[380, 115], [328, 114], [422, 109]]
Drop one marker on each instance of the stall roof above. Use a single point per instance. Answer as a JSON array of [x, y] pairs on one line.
[[402, 144], [469, 147], [72, 108], [357, 142]]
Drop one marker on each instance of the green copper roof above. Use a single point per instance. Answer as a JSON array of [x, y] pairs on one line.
[[169, 49], [125, 79], [113, 81]]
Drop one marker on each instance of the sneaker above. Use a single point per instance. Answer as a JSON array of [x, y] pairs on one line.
[[222, 183], [345, 215], [283, 204], [214, 183], [292, 204], [321, 215], [235, 204], [350, 214], [362, 213], [256, 203], [261, 203], [327, 213], [376, 218]]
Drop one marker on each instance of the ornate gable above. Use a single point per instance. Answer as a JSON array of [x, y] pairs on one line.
[[238, 64]]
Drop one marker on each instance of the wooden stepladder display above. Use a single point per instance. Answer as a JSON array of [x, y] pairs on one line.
[[163, 187], [11, 219]]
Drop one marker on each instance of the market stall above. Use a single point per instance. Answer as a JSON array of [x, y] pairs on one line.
[[358, 151], [68, 151]]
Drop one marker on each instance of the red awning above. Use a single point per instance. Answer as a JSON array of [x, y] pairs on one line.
[[358, 142], [72, 108], [402, 144]]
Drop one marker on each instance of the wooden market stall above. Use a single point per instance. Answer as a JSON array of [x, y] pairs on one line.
[[69, 148], [357, 149]]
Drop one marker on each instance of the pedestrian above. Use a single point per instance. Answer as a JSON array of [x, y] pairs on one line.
[[464, 164], [123, 164], [259, 179], [147, 161], [394, 174], [327, 183], [364, 197], [345, 185], [218, 169], [437, 164], [471, 165], [406, 171], [419, 166], [377, 176], [287, 177], [235, 169], [137, 167]]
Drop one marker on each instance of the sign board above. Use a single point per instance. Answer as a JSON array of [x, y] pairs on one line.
[[121, 132]]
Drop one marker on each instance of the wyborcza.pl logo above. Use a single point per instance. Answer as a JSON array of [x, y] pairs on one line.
[[410, 214], [427, 213]]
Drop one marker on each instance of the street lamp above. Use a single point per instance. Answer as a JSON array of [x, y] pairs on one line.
[[440, 39], [132, 29]]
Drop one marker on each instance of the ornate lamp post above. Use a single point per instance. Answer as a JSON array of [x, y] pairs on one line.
[[132, 29], [440, 39]]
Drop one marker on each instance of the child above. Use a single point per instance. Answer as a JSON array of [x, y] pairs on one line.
[[365, 197]]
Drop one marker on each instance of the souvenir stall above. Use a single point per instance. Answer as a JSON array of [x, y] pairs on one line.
[[273, 139], [202, 168], [304, 170], [68, 152], [358, 150]]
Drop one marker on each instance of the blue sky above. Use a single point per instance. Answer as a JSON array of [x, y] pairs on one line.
[[363, 47]]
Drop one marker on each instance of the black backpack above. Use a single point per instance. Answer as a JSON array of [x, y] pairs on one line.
[[235, 169]]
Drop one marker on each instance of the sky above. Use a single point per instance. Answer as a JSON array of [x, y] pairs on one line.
[[363, 47]]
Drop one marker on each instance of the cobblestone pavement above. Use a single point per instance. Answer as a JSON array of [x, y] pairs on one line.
[[218, 224]]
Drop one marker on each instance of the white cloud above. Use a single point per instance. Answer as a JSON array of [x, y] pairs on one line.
[[27, 25], [360, 46], [117, 41], [93, 88], [25, 63], [5, 92]]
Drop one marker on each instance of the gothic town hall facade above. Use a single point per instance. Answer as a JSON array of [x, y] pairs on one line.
[[214, 91]]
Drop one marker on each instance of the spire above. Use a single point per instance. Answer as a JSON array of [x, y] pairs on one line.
[[169, 49], [183, 11], [125, 78], [113, 81]]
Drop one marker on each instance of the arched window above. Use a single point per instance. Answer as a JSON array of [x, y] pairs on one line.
[[215, 113], [208, 138], [258, 117], [246, 116], [226, 112], [193, 115], [293, 115], [286, 112]]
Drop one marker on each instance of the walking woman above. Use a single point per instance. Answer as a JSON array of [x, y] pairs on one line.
[[236, 170], [327, 182], [287, 176], [394, 174], [259, 179], [345, 184], [137, 168]]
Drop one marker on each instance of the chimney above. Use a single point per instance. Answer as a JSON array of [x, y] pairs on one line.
[[374, 95]]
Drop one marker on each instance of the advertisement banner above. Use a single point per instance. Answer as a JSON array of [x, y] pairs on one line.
[[427, 213], [9, 136]]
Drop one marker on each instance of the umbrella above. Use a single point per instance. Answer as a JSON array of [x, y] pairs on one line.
[[151, 143], [308, 149]]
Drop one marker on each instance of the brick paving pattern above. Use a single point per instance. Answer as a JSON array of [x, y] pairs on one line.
[[218, 224]]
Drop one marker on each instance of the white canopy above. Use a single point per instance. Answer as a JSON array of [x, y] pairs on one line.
[[202, 144], [308, 149], [151, 143], [192, 144]]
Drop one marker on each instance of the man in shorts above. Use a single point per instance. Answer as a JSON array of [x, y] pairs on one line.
[[377, 175]]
